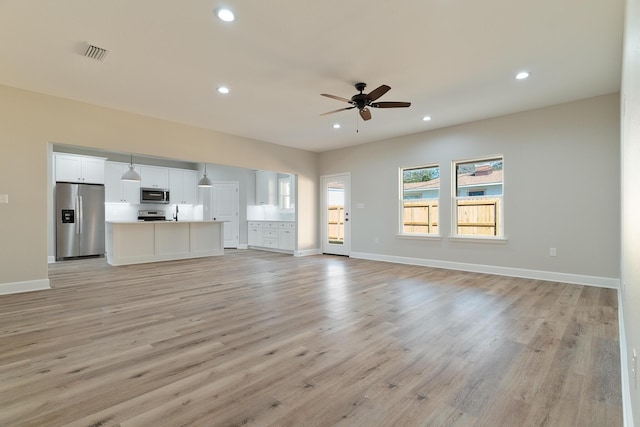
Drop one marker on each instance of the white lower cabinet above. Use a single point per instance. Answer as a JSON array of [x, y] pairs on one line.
[[255, 234], [136, 242], [286, 236], [272, 235]]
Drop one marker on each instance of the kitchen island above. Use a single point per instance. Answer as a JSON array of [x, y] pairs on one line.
[[137, 242]]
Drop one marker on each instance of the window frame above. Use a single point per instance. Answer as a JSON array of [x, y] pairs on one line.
[[499, 215], [285, 201], [401, 224]]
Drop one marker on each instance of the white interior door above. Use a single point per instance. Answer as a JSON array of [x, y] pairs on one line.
[[225, 207], [336, 208]]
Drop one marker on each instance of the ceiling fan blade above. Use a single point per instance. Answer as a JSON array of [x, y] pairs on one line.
[[335, 111], [390, 104], [339, 98], [365, 113], [378, 92]]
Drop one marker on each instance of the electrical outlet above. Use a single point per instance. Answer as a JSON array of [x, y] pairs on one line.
[[553, 252], [4, 198], [376, 240], [634, 369]]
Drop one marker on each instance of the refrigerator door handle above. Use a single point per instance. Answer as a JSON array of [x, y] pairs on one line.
[[80, 214]]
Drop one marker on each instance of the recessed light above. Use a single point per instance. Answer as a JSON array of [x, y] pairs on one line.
[[426, 118], [336, 125], [223, 89], [226, 15], [522, 75]]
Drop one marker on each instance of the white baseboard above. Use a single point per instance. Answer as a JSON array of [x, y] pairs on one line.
[[307, 252], [578, 279], [243, 246], [266, 249], [26, 286], [627, 412], [51, 259]]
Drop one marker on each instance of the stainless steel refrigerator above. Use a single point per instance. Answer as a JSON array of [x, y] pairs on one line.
[[79, 220]]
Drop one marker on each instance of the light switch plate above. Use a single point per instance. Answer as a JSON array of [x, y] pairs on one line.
[[4, 198]]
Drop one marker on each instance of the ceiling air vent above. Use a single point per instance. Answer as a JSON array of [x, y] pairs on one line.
[[95, 52]]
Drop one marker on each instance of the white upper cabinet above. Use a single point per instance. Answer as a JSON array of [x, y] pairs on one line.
[[183, 186], [182, 183], [266, 188], [191, 187], [81, 169], [154, 177], [116, 190]]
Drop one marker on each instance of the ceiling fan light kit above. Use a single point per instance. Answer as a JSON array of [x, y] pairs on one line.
[[362, 101]]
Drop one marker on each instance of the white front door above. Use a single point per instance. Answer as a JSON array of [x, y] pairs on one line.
[[225, 207], [336, 208]]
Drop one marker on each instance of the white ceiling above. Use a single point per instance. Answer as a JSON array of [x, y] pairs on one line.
[[452, 59]]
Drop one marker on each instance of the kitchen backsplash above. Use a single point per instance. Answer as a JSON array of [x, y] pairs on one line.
[[128, 212], [269, 213]]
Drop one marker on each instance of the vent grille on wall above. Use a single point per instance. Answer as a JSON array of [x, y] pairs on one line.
[[95, 52]]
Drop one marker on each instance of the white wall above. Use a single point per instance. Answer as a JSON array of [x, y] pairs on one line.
[[29, 122], [630, 265], [561, 189]]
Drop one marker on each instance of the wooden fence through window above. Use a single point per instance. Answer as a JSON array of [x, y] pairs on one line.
[[420, 216], [475, 216], [335, 224]]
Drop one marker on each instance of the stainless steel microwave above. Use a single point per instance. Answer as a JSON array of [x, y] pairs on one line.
[[154, 195]]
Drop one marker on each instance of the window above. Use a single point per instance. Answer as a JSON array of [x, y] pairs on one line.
[[419, 202], [478, 197], [285, 193]]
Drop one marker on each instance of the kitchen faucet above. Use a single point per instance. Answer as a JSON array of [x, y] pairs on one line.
[[176, 215]]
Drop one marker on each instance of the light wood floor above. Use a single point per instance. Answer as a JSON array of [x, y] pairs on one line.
[[264, 339]]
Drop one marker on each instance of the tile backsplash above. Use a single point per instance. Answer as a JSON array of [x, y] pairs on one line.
[[269, 213], [129, 212]]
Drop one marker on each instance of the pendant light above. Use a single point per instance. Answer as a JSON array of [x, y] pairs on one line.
[[131, 174], [205, 181]]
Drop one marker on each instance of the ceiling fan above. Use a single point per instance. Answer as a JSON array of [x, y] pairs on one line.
[[362, 101]]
